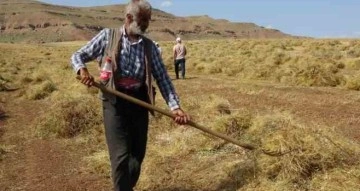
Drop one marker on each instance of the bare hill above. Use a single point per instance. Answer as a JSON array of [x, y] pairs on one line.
[[34, 21]]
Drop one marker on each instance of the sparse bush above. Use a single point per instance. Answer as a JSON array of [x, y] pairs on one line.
[[235, 124], [354, 64], [68, 117], [340, 65], [298, 153], [213, 103], [233, 71], [27, 80], [5, 84], [2, 152], [297, 42], [214, 69], [40, 77], [333, 43], [353, 82], [98, 163], [4, 78], [337, 179], [2, 86], [200, 68], [263, 72], [41, 91], [353, 53], [279, 58], [318, 75], [191, 104], [354, 43]]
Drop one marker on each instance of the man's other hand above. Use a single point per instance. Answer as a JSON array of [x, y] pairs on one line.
[[181, 117], [86, 77]]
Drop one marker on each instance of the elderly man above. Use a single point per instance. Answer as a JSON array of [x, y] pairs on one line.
[[132, 59]]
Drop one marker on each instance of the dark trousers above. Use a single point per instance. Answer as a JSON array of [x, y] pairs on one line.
[[180, 65], [126, 127]]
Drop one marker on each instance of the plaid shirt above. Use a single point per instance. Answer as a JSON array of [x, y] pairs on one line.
[[131, 63]]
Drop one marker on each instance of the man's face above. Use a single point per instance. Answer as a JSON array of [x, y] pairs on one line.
[[140, 22]]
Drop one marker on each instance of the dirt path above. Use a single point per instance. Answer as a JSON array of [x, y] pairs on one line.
[[32, 164]]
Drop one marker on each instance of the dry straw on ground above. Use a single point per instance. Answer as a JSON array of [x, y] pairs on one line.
[[289, 61], [314, 156], [69, 116], [307, 154]]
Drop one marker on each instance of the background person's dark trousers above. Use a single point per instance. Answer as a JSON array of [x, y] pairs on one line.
[[180, 65], [126, 127]]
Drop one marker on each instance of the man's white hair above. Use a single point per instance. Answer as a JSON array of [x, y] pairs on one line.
[[134, 7]]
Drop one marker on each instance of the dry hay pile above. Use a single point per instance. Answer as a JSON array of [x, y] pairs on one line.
[[301, 157], [2, 113], [69, 116], [3, 86], [2, 152]]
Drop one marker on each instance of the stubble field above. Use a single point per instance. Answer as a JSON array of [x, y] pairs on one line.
[[296, 97]]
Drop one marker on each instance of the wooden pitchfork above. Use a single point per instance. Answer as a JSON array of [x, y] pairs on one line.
[[169, 114]]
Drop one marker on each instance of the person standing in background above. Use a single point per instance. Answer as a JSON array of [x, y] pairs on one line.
[[159, 48], [179, 58]]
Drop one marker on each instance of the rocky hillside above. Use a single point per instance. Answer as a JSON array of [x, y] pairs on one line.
[[34, 21]]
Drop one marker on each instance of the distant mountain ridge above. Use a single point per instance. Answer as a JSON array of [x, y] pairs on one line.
[[34, 21]]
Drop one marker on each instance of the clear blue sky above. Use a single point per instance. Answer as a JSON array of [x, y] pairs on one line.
[[314, 18]]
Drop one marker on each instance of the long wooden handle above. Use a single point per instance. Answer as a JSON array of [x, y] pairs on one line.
[[169, 114]]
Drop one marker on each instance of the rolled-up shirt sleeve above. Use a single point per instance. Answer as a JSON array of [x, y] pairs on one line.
[[90, 51], [163, 81]]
